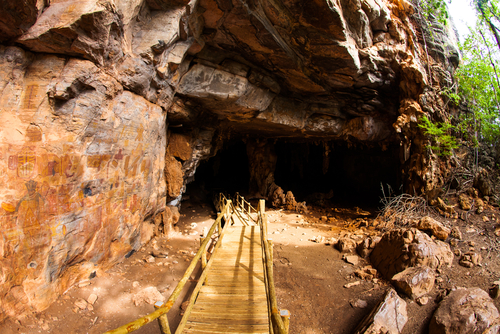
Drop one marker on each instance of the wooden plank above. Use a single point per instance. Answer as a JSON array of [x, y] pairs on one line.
[[222, 327], [233, 299]]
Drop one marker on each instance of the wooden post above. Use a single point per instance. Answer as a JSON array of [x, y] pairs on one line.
[[203, 255], [285, 316], [162, 320]]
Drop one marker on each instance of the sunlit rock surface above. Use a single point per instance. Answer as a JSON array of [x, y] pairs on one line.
[[82, 166]]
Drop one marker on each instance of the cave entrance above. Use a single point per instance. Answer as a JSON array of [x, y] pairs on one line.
[[226, 172], [313, 171], [353, 174]]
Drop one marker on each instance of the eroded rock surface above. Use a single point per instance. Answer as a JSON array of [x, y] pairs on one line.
[[82, 163], [403, 248], [465, 311], [415, 282], [389, 317]]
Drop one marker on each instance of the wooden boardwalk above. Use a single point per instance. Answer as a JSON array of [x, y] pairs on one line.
[[235, 291], [233, 298]]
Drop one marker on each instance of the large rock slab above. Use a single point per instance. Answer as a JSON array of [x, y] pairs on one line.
[[388, 317], [415, 282], [403, 248], [88, 28], [465, 311], [82, 167]]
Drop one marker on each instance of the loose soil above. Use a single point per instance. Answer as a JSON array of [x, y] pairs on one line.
[[309, 276]]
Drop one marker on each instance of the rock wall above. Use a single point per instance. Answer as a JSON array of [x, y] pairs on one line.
[[81, 163], [108, 107]]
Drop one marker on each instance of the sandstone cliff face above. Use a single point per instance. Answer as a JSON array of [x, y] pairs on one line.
[[108, 107], [81, 163]]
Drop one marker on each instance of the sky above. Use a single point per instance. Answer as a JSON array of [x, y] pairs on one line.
[[463, 14]]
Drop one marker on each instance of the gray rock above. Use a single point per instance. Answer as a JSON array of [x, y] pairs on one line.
[[388, 317], [415, 282], [465, 311]]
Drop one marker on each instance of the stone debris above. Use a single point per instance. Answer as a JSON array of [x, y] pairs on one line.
[[495, 290], [486, 219], [346, 245], [160, 253], [470, 259], [367, 273], [422, 300], [331, 241], [149, 295], [465, 311], [480, 206], [135, 284], [92, 298], [388, 317], [150, 259], [351, 259], [415, 282], [403, 248], [366, 246], [453, 242], [358, 303], [350, 285], [456, 233], [81, 303], [464, 202], [436, 228], [319, 239], [83, 284]]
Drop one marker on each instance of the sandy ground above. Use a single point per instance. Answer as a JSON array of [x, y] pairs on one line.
[[309, 276]]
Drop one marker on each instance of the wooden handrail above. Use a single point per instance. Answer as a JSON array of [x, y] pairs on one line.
[[278, 326], [136, 324], [278, 322]]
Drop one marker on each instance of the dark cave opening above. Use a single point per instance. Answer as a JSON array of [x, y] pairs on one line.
[[226, 172], [309, 169], [353, 174]]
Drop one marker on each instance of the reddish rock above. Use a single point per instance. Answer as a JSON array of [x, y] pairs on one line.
[[415, 282], [403, 248], [179, 146], [465, 311], [436, 228]]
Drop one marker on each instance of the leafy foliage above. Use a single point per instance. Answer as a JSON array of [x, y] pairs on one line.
[[434, 10], [440, 134], [479, 83]]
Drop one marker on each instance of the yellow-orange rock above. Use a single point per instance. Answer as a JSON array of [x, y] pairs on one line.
[[81, 165]]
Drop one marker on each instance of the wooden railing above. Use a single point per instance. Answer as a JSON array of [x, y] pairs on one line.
[[279, 320], [161, 312]]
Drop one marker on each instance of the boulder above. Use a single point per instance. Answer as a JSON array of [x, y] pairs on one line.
[[366, 246], [346, 245], [403, 248], [149, 295], [388, 317], [464, 202], [482, 183], [434, 227], [456, 233], [470, 259], [465, 311], [415, 282]]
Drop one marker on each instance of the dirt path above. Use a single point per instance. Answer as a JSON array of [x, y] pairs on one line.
[[310, 276]]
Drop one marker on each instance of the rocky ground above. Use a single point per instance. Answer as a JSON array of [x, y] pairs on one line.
[[320, 285]]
